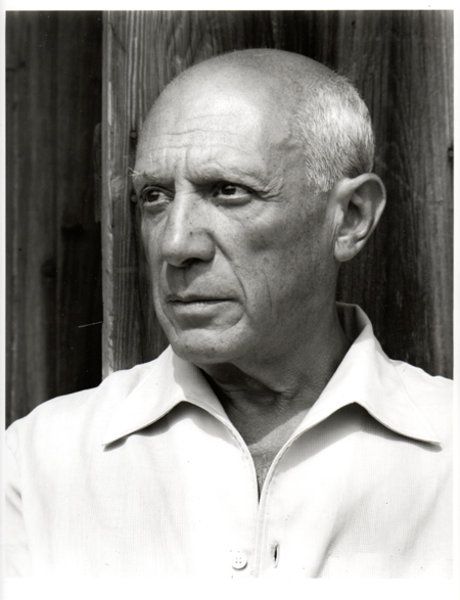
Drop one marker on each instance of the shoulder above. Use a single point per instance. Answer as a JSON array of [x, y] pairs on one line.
[[428, 388], [64, 418], [433, 396]]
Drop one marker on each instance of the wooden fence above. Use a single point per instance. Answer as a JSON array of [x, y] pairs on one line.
[[400, 61], [53, 258]]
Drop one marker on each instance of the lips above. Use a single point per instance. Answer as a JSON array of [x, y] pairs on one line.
[[194, 298]]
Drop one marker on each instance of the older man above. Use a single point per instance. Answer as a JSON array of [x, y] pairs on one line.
[[273, 436]]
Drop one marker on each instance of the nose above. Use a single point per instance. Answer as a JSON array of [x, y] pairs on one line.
[[185, 238]]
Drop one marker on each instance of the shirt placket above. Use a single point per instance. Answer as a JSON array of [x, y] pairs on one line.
[[260, 554], [243, 552], [267, 547], [268, 544]]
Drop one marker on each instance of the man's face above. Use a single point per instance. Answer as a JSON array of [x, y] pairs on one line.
[[238, 246]]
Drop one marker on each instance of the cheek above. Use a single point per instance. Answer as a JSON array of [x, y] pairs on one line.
[[291, 259], [288, 239], [151, 236]]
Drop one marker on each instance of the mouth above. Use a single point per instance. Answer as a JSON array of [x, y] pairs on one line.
[[177, 299], [208, 310]]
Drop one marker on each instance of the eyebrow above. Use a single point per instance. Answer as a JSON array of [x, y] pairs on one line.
[[139, 178], [214, 172]]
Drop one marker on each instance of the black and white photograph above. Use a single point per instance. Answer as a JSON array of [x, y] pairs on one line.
[[229, 241]]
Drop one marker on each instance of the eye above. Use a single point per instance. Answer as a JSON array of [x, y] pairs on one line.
[[225, 190], [153, 194]]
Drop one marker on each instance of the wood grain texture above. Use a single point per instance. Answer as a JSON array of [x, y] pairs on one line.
[[404, 278], [79, 281], [402, 64], [30, 212], [53, 240]]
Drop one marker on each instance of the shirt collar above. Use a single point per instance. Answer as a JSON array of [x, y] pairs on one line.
[[365, 376], [163, 384]]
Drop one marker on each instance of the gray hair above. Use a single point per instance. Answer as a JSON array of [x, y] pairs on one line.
[[334, 127]]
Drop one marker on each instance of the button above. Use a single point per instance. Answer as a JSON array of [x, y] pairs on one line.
[[239, 560]]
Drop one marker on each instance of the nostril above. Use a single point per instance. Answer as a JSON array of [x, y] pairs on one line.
[[188, 262]]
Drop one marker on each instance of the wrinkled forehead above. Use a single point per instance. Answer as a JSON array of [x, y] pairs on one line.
[[222, 103]]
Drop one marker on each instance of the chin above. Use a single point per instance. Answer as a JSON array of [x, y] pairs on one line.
[[205, 348]]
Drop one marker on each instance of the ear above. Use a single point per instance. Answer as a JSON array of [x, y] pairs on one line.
[[357, 205]]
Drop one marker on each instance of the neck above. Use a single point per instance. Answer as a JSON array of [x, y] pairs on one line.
[[261, 396]]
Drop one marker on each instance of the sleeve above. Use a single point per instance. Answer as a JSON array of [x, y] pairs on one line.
[[15, 546]]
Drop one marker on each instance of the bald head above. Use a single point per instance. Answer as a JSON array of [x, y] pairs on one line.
[[317, 108]]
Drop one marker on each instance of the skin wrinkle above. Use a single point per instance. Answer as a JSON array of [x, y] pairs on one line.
[[270, 190], [272, 186], [272, 346]]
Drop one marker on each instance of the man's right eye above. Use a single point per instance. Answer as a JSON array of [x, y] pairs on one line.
[[152, 194]]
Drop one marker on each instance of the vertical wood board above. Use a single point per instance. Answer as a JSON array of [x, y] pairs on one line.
[[30, 210], [404, 278], [53, 77]]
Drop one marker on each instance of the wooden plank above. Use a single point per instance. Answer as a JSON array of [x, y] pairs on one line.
[[364, 47], [30, 211], [385, 54], [79, 286], [423, 131], [53, 243], [404, 279]]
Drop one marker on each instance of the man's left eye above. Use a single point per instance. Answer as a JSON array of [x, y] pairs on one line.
[[232, 191]]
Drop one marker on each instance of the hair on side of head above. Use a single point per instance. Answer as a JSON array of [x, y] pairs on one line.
[[333, 124]]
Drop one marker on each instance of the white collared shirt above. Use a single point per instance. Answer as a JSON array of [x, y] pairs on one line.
[[146, 475]]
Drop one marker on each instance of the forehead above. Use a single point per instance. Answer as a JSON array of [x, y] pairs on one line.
[[213, 116], [217, 95], [222, 121]]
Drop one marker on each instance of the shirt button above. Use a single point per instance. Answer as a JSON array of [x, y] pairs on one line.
[[239, 560]]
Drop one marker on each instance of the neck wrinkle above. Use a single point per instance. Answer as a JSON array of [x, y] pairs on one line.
[[281, 387]]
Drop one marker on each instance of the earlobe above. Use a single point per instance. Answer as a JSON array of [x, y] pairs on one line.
[[358, 205]]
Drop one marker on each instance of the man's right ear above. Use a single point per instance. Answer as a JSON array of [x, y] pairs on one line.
[[357, 205]]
